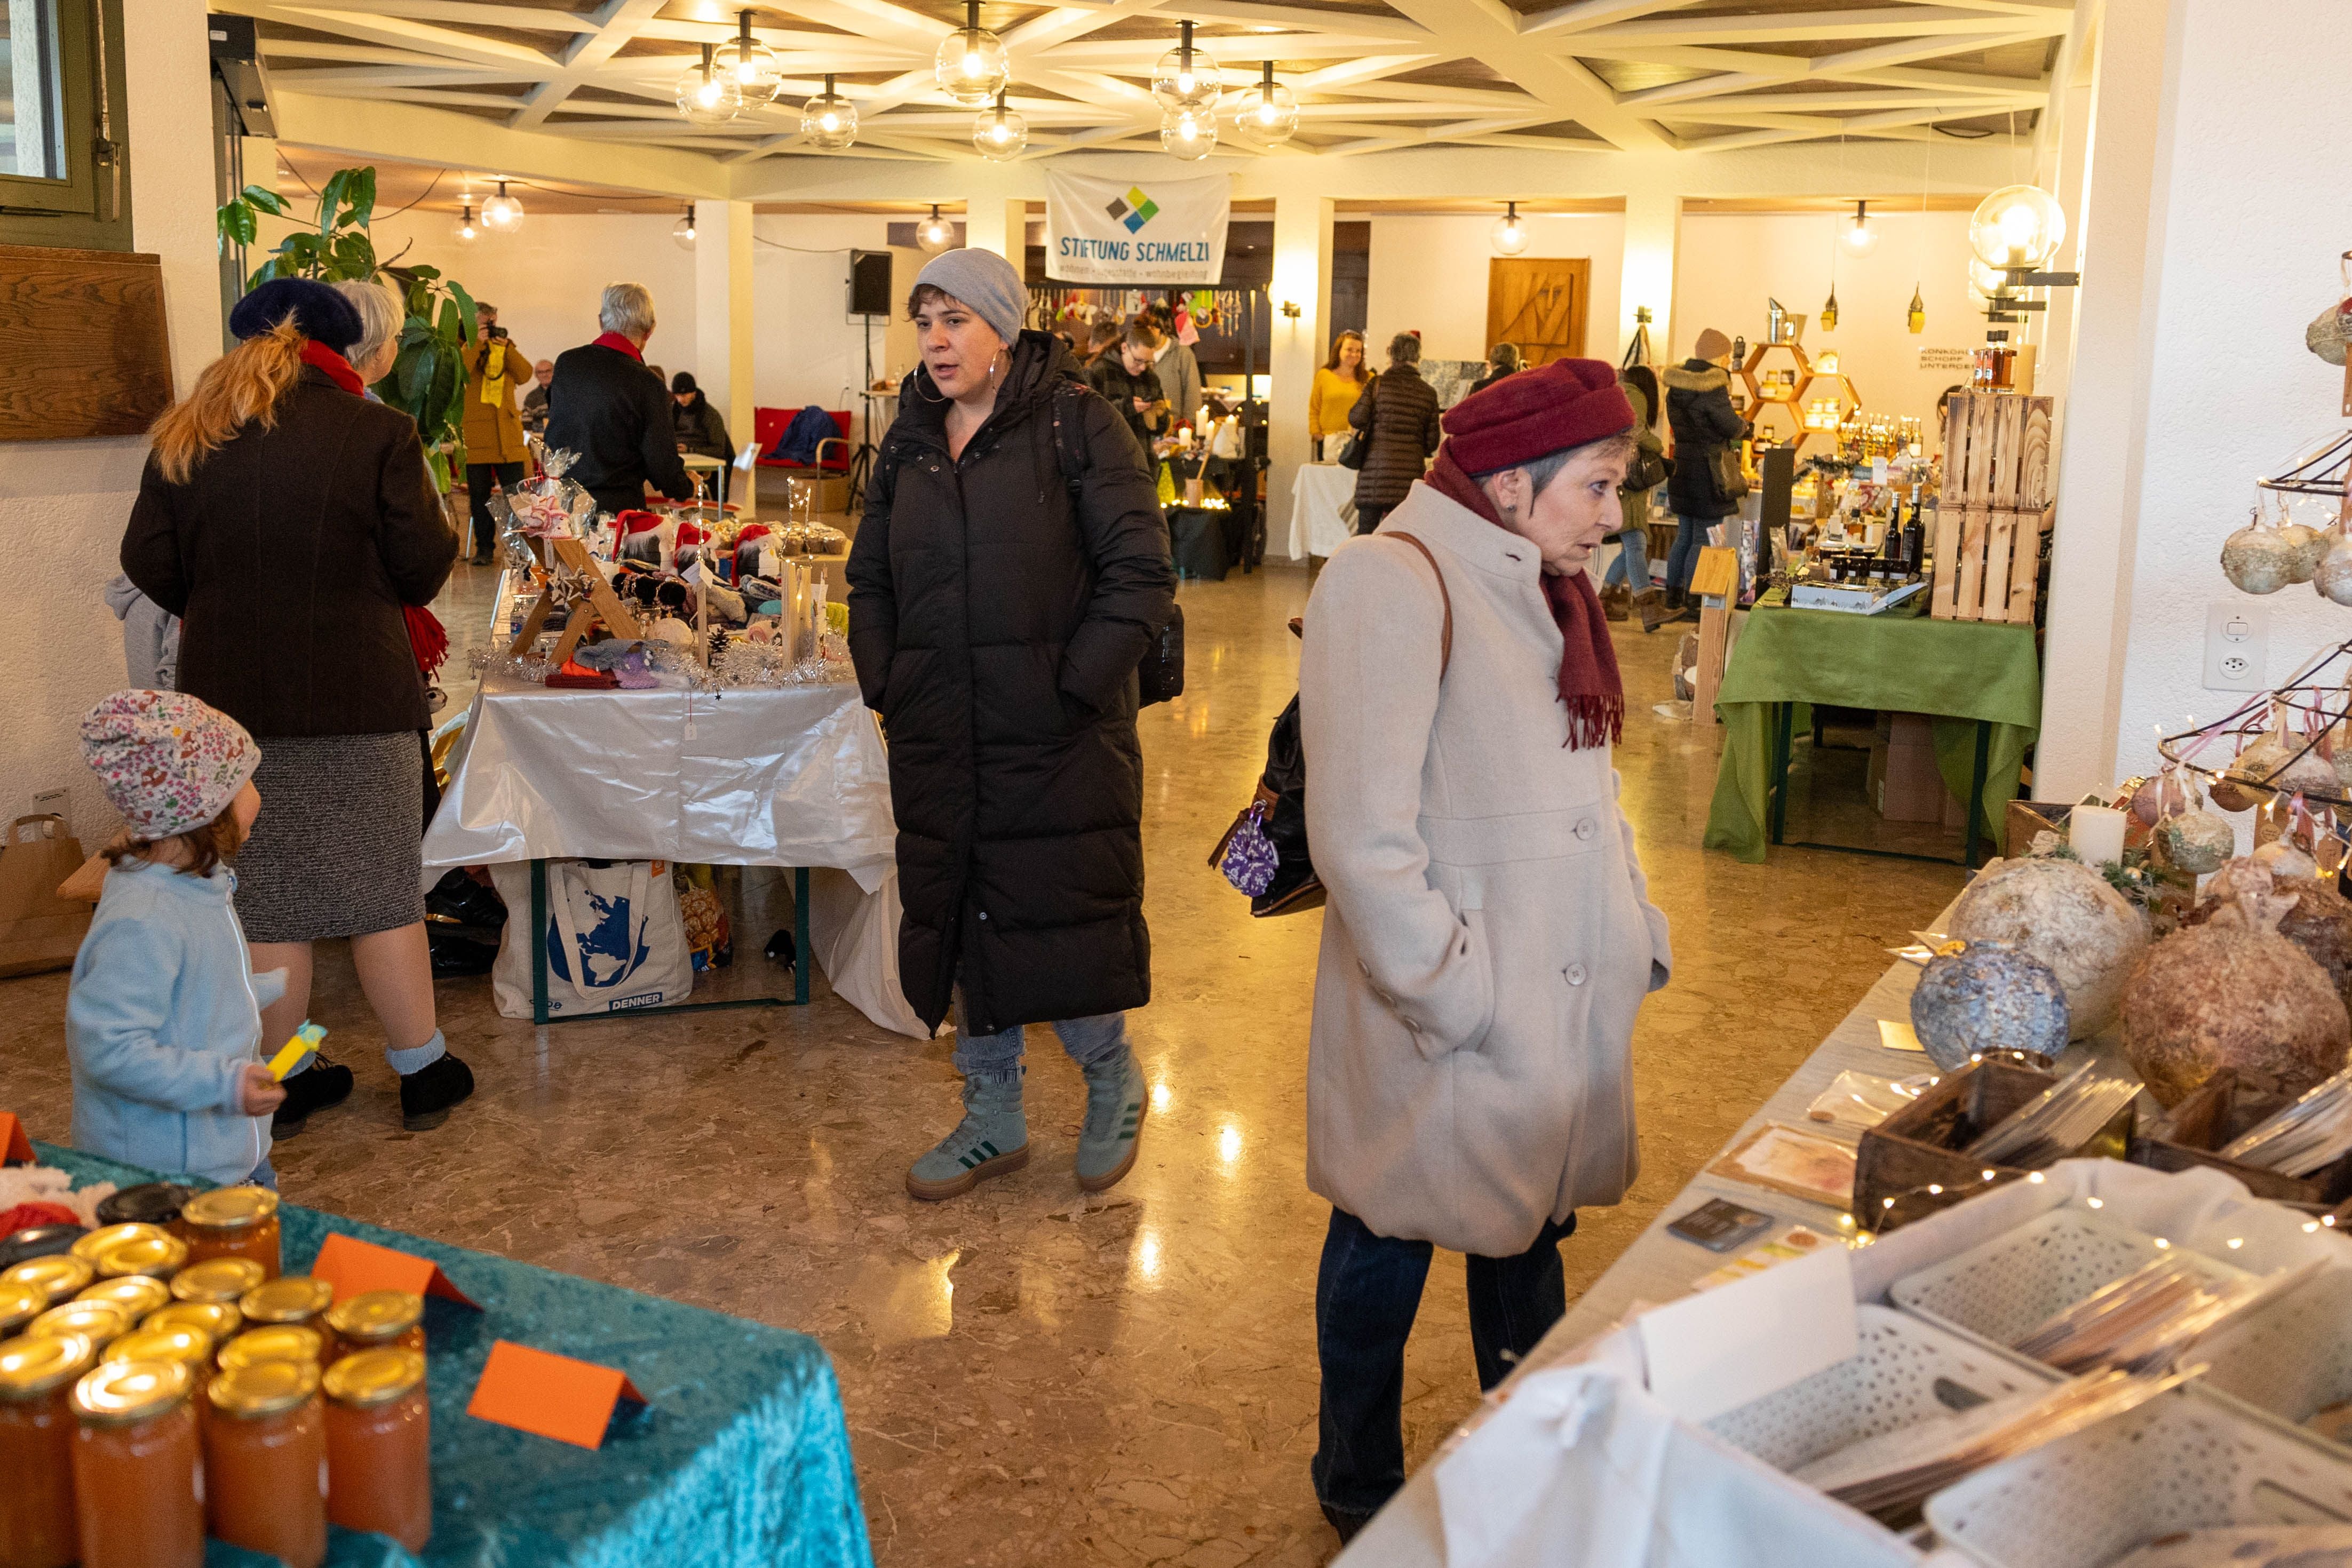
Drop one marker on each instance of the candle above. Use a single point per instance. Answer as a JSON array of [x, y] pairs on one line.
[[2096, 834]]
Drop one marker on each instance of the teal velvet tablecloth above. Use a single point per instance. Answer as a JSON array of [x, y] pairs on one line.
[[740, 1456]]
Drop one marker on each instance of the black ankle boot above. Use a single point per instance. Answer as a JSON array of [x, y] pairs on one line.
[[315, 1088], [427, 1093]]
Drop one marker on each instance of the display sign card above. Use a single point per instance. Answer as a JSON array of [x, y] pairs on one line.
[[1897, 1035], [1716, 1351], [16, 1149], [355, 1266], [1162, 231], [549, 1396]]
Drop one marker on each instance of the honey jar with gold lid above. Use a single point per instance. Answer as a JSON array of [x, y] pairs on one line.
[[20, 1304], [265, 1461], [219, 1320], [106, 1236], [288, 1299], [377, 1320], [137, 1467], [275, 1341], [217, 1279], [190, 1344], [61, 1276], [137, 1294], [379, 1446], [36, 1433], [155, 1254], [102, 1323], [232, 1222]]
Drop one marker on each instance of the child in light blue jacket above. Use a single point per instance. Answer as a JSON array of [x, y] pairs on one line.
[[164, 1019]]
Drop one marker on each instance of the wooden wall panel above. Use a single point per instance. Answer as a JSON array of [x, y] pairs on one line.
[[83, 349]]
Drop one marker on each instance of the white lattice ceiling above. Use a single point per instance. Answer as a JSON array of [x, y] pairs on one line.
[[1588, 74]]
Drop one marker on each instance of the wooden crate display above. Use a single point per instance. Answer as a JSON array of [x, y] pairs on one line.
[[1920, 1145], [1994, 508]]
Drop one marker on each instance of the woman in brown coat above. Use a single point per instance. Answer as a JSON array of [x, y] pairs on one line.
[[1398, 414]]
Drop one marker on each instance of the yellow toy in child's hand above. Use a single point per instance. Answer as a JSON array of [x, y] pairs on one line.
[[297, 1051]]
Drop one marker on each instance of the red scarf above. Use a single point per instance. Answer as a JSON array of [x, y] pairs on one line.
[[1588, 683], [338, 368], [615, 340]]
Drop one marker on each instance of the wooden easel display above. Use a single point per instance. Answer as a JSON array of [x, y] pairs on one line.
[[602, 603]]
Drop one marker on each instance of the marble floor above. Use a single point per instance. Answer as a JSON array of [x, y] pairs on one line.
[[1032, 1375]]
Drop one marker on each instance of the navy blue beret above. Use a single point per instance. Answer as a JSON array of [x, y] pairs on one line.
[[320, 314]]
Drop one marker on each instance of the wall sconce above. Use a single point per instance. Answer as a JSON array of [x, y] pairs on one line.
[[1290, 309]]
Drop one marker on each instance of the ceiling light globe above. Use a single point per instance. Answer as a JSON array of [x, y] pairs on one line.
[[753, 68], [1000, 135], [502, 214], [682, 231], [1266, 116], [1186, 82], [829, 122], [971, 67], [708, 97], [1859, 237], [1511, 235], [2017, 225], [934, 234], [1189, 136], [465, 229]]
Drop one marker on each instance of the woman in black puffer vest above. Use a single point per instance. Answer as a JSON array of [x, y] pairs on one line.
[[1398, 414]]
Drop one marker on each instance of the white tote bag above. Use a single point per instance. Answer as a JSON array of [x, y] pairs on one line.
[[613, 934]]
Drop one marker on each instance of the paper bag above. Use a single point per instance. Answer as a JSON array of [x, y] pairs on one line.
[[40, 931]]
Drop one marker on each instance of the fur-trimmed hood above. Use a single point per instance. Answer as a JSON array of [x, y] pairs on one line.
[[1696, 376]]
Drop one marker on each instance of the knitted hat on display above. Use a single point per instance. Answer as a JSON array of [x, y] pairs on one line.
[[1534, 413], [320, 313], [169, 762], [983, 280], [1711, 345]]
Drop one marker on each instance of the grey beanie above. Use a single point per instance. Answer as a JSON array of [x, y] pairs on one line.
[[983, 280]]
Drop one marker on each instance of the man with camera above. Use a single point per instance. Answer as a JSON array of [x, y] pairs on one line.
[[495, 448]]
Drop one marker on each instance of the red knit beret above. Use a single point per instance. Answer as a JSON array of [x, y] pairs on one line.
[[1537, 413]]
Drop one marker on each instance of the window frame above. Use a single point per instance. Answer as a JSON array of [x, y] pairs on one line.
[[70, 212]]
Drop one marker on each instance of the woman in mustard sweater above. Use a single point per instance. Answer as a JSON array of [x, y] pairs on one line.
[[1337, 386]]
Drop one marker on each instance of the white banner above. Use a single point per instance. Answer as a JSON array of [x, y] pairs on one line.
[[1152, 231]]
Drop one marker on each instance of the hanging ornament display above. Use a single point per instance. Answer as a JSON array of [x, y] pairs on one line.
[[829, 121], [2197, 842], [2257, 559], [1000, 134], [1917, 317], [707, 95], [2333, 579], [750, 64], [971, 66], [1829, 310]]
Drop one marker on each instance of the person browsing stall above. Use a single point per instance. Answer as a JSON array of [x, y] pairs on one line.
[[1337, 384], [534, 401], [1398, 416], [614, 414], [1125, 381], [494, 447]]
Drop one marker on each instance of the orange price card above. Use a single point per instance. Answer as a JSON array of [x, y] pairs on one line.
[[551, 1396], [355, 1266], [15, 1148]]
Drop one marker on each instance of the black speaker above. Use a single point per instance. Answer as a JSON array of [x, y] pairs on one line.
[[869, 283]]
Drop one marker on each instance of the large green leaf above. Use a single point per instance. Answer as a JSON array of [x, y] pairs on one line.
[[330, 200], [354, 257], [414, 369], [267, 200], [466, 309], [236, 223], [361, 194]]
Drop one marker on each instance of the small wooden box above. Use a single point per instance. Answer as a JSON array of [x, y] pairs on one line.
[[1919, 1147], [2223, 1109]]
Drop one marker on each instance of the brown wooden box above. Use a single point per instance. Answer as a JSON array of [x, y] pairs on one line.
[[1919, 1145], [2217, 1111]]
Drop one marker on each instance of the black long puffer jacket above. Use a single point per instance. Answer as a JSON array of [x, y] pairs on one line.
[[1398, 414], [998, 609], [1698, 408]]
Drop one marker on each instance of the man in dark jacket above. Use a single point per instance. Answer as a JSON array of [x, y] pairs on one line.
[[1127, 380], [1698, 408], [611, 413], [1398, 414]]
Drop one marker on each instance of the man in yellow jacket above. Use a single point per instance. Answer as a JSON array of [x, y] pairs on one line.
[[495, 448]]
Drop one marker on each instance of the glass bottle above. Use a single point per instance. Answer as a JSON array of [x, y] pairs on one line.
[[217, 1279], [232, 1222], [288, 1299], [379, 1446], [36, 1428], [138, 1471], [265, 1461], [59, 1276], [276, 1342], [377, 1320]]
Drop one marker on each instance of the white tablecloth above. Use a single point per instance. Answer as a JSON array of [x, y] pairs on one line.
[[1316, 499]]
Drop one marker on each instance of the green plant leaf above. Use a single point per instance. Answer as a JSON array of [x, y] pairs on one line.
[[354, 257], [267, 200], [422, 274], [330, 200], [467, 312], [414, 369], [361, 195], [236, 223], [261, 275]]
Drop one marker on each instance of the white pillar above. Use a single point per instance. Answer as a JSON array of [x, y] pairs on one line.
[[167, 66], [1653, 225], [722, 316], [995, 219], [1302, 278]]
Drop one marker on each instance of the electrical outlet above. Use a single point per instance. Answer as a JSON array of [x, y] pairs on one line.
[[2237, 648], [51, 803]]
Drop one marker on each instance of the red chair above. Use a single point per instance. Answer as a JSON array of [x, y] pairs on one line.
[[768, 425]]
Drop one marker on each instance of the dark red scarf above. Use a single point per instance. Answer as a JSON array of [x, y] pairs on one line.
[[1588, 682], [339, 369], [615, 340]]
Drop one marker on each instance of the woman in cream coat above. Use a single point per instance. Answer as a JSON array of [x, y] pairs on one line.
[[1489, 938]]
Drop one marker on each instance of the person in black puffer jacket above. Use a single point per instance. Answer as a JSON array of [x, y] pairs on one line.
[[611, 412], [1009, 573], [1698, 408], [1397, 414], [1124, 378]]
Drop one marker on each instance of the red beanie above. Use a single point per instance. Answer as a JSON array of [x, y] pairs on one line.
[[1534, 413]]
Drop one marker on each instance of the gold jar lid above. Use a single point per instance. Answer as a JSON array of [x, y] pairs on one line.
[[287, 1299], [158, 1257], [39, 1365], [193, 1345], [230, 1208], [122, 1392], [376, 1315], [371, 1377], [102, 1321], [87, 1247], [138, 1295], [263, 1388], [20, 1304], [278, 1342], [220, 1320], [58, 1276], [217, 1279]]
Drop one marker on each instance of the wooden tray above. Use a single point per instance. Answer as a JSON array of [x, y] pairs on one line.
[[1919, 1147], [2217, 1111]]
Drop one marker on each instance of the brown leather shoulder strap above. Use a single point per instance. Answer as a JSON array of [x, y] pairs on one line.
[[1446, 638]]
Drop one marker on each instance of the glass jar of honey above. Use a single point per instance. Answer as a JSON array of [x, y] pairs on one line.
[[217, 1279], [182, 1344], [102, 1323], [265, 1461], [219, 1320], [376, 1319], [288, 1299], [59, 1276], [136, 1293], [20, 1304], [277, 1342], [106, 1236], [379, 1446], [149, 1202], [156, 1255], [232, 1222], [37, 1431], [137, 1469]]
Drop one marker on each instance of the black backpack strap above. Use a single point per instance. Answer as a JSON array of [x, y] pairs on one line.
[[1068, 460]]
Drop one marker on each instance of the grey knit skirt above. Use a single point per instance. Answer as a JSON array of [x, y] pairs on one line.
[[337, 849]]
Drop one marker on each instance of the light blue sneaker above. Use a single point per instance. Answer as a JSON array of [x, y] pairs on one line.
[[1116, 1103], [992, 1140]]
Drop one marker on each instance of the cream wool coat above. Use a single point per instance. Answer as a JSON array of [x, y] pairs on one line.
[[1489, 937]]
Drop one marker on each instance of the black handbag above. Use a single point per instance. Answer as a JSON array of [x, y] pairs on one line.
[[1359, 444], [1648, 471]]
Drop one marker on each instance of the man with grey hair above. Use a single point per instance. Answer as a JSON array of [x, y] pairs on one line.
[[611, 412]]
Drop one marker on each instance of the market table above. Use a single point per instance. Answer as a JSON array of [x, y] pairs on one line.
[[1317, 496], [1979, 681], [740, 1455]]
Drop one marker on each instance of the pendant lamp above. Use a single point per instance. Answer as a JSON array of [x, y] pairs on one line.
[[750, 64], [1186, 80], [934, 234], [682, 231], [829, 121], [971, 67], [466, 231], [1000, 134], [1510, 232], [502, 214], [1829, 310], [1916, 318], [707, 95], [2017, 226], [1860, 237], [1189, 134], [1267, 114]]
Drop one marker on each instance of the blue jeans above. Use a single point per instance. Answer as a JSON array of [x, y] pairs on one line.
[[1690, 535], [1366, 1292], [1090, 1041], [1632, 566]]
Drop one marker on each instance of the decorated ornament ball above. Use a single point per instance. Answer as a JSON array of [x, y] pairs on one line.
[[2066, 914], [1988, 996]]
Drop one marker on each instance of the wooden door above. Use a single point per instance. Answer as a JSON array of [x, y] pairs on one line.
[[1538, 304]]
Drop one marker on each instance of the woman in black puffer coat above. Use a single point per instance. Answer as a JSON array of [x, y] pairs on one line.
[[1398, 416], [1700, 410], [1009, 572]]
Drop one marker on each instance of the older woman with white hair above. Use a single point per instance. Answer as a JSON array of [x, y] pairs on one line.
[[1489, 937], [381, 315], [613, 414]]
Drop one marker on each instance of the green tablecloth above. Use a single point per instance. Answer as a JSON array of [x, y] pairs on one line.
[[1958, 671], [740, 1456]]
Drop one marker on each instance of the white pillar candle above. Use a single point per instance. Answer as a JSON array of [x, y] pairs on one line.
[[2096, 834]]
